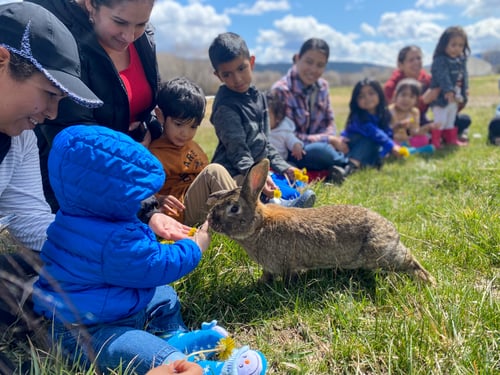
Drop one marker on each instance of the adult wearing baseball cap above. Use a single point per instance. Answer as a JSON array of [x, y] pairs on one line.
[[39, 65]]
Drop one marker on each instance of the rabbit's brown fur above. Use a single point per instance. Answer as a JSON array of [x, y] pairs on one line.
[[285, 241]]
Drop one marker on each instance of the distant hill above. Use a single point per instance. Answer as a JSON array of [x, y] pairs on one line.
[[339, 67], [477, 66], [493, 57]]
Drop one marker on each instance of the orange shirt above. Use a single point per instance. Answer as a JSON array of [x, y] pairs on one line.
[[181, 165]]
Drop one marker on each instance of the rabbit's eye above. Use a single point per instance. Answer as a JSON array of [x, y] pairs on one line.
[[234, 209]]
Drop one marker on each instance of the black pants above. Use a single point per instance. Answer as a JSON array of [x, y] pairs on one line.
[[462, 122]]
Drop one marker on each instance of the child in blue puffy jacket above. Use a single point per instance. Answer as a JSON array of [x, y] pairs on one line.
[[103, 283]]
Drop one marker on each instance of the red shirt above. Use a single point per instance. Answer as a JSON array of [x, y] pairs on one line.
[[397, 75], [138, 89]]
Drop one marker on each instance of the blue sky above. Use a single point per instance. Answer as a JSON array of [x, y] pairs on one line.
[[356, 30]]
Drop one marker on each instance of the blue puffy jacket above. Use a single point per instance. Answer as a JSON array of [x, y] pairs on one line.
[[100, 262]]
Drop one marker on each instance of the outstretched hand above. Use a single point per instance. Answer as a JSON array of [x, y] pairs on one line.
[[168, 228]]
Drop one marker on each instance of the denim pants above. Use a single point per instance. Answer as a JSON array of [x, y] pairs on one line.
[[364, 150], [129, 342], [319, 156]]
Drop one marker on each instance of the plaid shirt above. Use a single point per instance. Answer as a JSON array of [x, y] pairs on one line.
[[308, 107]]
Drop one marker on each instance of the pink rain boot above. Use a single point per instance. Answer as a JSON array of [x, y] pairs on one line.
[[436, 138], [450, 137]]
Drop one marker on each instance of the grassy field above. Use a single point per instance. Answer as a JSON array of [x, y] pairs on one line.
[[447, 209]]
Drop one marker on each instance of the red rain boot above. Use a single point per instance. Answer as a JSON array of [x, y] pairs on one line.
[[436, 138], [450, 137]]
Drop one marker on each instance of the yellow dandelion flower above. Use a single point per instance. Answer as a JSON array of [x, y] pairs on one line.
[[277, 193], [225, 348], [305, 177], [404, 152], [191, 233], [301, 175]]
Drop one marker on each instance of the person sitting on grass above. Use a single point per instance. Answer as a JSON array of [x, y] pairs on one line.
[[190, 178], [104, 281], [405, 118], [241, 120], [306, 95], [367, 129]]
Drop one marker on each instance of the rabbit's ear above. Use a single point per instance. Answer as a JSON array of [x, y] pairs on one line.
[[255, 180]]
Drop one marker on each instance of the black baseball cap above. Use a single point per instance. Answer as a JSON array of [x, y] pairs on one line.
[[34, 33]]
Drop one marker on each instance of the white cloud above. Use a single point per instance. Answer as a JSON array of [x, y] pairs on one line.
[[481, 8], [367, 29], [354, 5], [259, 7], [484, 35], [186, 31], [431, 4], [282, 42], [472, 8], [410, 24]]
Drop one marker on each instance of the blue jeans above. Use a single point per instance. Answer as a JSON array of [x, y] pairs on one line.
[[364, 150], [129, 342], [319, 156]]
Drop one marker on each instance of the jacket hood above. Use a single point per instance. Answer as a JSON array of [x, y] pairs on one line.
[[96, 171]]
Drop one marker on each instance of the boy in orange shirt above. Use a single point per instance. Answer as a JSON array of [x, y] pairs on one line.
[[190, 178]]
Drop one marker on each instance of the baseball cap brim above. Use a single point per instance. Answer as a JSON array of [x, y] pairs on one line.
[[74, 88], [32, 32]]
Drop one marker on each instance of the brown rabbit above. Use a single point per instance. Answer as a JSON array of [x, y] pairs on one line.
[[285, 241]]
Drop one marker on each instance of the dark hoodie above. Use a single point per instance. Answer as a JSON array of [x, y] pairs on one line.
[[241, 122], [100, 75]]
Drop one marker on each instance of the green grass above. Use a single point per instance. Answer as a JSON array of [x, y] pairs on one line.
[[447, 208]]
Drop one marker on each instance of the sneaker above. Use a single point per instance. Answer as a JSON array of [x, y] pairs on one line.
[[305, 200], [336, 175], [350, 168], [464, 136]]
